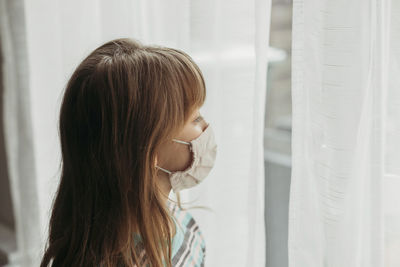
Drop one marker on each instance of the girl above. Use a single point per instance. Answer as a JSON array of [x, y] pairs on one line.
[[130, 131]]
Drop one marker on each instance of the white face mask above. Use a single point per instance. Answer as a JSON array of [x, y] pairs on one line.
[[204, 150]]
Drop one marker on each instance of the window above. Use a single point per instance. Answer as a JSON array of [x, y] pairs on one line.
[[277, 137]]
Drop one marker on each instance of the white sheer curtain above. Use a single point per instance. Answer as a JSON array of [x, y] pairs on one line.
[[344, 208], [228, 39]]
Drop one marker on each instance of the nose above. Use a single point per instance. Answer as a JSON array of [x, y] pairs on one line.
[[204, 125]]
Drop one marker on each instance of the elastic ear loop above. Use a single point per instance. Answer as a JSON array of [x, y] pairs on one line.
[[178, 141], [164, 170], [184, 142], [181, 142]]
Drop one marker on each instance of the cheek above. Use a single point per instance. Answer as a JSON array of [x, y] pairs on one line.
[[191, 132], [174, 157]]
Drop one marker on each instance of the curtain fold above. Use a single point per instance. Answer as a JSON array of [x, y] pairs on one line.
[[345, 128], [228, 39], [21, 242]]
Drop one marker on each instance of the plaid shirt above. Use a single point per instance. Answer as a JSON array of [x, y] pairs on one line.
[[188, 245]]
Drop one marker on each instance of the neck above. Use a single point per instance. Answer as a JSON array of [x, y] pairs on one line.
[[165, 187], [164, 184]]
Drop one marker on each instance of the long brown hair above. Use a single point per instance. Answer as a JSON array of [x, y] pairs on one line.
[[122, 102]]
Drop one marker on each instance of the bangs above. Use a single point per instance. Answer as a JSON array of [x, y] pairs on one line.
[[196, 91], [186, 76], [194, 88]]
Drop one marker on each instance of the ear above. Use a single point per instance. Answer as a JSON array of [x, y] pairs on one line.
[[155, 161]]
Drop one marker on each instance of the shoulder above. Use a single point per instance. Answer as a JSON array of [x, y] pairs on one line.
[[184, 219], [188, 244]]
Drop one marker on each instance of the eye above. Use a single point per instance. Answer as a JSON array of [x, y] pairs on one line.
[[199, 119]]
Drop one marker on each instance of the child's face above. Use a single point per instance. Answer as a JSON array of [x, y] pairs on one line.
[[175, 156]]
